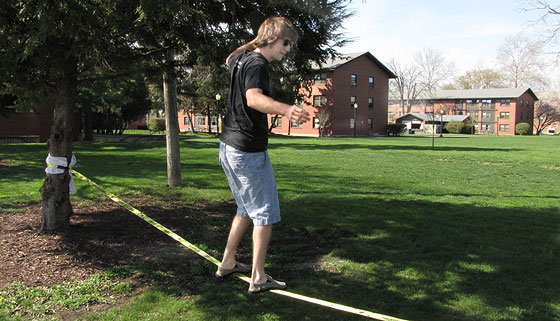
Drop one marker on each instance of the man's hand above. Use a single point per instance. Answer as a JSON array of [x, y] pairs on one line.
[[297, 114]]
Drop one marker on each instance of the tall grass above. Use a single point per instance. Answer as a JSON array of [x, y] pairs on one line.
[[466, 231]]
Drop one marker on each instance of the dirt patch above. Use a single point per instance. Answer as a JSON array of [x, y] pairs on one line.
[[104, 235]]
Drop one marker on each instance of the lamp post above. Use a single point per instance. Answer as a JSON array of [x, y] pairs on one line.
[[441, 112], [433, 126], [218, 97], [355, 118]]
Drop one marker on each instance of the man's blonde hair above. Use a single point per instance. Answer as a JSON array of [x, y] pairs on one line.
[[275, 28]]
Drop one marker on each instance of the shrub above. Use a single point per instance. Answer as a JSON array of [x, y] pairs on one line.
[[454, 127], [395, 129], [467, 129], [522, 128], [157, 124]]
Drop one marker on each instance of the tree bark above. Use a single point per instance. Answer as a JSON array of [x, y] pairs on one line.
[[56, 210], [171, 124]]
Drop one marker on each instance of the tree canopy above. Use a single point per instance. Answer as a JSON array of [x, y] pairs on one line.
[[52, 49]]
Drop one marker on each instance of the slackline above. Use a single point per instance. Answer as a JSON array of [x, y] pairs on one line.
[[195, 249]]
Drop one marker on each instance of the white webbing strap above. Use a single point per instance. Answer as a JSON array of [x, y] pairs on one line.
[[58, 165]]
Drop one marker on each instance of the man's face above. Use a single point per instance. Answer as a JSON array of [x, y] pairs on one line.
[[280, 48]]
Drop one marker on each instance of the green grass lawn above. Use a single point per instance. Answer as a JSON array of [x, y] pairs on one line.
[[469, 230]]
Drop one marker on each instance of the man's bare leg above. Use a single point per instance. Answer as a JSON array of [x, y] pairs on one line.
[[238, 228], [261, 238]]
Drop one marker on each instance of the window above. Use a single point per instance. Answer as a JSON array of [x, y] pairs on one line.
[[320, 78], [214, 121], [352, 101], [505, 102], [353, 80], [370, 123], [277, 121], [370, 103], [352, 122], [319, 101], [315, 122], [187, 121], [296, 125], [504, 115], [458, 107], [370, 82], [200, 121], [390, 115], [504, 127], [486, 102], [487, 114]]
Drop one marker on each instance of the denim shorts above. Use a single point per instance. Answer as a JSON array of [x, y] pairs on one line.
[[252, 182]]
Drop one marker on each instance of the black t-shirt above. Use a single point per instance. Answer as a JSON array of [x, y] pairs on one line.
[[246, 128]]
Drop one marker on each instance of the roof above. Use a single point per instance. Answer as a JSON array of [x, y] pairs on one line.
[[484, 93], [345, 58], [429, 117]]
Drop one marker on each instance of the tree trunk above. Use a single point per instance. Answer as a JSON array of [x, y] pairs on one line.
[[191, 120], [402, 104], [171, 124], [56, 210], [88, 123]]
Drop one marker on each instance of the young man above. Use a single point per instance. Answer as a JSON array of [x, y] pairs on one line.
[[243, 147]]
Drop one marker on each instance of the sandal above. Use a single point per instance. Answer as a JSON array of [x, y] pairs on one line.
[[270, 284], [239, 267]]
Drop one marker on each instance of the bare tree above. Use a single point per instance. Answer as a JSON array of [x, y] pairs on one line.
[[522, 61], [421, 79], [407, 86], [323, 117], [547, 112], [549, 20], [434, 70], [480, 78]]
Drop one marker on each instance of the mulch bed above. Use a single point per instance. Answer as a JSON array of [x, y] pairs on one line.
[[101, 236]]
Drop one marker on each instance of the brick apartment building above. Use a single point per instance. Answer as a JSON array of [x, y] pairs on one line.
[[354, 89], [495, 111]]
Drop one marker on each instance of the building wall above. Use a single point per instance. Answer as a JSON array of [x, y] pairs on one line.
[[525, 110], [142, 123], [338, 90], [27, 124], [200, 122]]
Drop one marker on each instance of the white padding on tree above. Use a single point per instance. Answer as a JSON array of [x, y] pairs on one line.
[[58, 165]]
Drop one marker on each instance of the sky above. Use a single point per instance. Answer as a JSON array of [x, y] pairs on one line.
[[466, 32]]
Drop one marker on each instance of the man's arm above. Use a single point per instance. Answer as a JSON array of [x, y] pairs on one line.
[[261, 102]]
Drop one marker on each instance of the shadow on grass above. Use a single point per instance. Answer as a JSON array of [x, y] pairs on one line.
[[410, 259], [357, 145]]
